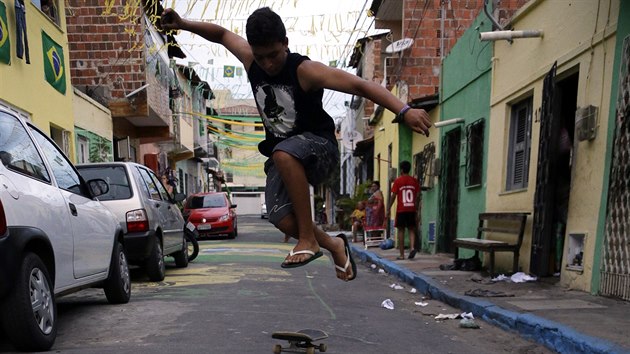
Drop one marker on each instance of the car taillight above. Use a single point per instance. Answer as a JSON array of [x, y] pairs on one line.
[[137, 221], [3, 221]]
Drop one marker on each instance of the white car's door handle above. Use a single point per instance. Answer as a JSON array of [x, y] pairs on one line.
[[73, 209]]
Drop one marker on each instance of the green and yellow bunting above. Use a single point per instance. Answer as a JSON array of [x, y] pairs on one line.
[[54, 69], [5, 44]]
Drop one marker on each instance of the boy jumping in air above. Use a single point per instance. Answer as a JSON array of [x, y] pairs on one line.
[[299, 135]]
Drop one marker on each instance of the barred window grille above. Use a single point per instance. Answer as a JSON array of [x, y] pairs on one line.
[[424, 162], [520, 143], [474, 152]]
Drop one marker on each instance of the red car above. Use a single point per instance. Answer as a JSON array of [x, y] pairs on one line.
[[212, 214]]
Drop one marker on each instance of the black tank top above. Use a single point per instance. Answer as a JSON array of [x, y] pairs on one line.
[[285, 108]]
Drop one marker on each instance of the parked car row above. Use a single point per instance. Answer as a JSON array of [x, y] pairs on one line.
[[64, 228]]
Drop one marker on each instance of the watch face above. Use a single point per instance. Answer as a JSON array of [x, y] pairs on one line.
[[403, 91]]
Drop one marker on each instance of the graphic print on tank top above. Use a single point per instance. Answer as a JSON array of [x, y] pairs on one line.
[[277, 108]]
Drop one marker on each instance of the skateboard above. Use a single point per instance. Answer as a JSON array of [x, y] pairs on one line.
[[300, 341]]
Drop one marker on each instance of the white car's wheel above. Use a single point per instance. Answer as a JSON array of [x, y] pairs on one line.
[[156, 269], [181, 257], [118, 284], [29, 313]]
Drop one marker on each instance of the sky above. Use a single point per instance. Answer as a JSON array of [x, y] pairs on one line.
[[325, 30]]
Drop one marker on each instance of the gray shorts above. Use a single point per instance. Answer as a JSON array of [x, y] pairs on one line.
[[318, 155]]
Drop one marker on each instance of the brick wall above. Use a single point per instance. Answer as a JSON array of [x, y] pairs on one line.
[[106, 48], [422, 20]]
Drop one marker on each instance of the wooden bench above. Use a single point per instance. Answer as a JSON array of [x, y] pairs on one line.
[[507, 223]]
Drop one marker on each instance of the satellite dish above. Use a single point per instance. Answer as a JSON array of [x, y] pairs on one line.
[[350, 139], [399, 45]]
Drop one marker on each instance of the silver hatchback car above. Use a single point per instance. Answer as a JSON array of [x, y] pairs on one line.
[[149, 216], [55, 236]]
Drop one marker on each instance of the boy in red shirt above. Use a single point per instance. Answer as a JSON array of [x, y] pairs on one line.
[[406, 190]]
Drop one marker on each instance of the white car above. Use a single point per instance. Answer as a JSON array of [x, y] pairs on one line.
[[148, 214], [55, 236]]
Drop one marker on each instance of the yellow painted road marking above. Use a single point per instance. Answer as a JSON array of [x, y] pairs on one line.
[[206, 273]]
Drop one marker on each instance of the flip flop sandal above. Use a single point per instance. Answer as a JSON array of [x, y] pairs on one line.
[[412, 254], [400, 258], [349, 259], [314, 256]]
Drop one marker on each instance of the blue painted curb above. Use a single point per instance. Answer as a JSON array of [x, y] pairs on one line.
[[553, 335]]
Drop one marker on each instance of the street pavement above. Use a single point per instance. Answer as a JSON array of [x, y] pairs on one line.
[[566, 321], [234, 295]]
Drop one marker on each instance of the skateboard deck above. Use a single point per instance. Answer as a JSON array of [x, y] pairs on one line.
[[300, 341]]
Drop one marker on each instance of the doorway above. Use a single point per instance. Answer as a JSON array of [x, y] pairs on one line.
[[449, 191], [553, 180]]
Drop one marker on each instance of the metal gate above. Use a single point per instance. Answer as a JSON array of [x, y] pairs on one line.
[[449, 190], [542, 226], [615, 268], [424, 173]]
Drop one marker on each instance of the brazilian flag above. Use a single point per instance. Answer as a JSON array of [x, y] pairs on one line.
[[54, 70], [228, 70], [5, 44]]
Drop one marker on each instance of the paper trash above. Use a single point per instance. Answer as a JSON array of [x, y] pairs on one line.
[[420, 303], [388, 304], [450, 316], [519, 277]]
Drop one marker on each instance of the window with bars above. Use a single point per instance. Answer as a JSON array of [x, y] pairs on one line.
[[474, 152], [519, 145]]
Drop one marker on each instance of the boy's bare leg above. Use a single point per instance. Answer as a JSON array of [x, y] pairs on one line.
[[412, 238], [294, 177], [401, 241]]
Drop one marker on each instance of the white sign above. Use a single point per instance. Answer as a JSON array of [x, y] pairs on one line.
[[399, 45]]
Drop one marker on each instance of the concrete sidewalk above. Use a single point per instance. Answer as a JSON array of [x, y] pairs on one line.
[[563, 320]]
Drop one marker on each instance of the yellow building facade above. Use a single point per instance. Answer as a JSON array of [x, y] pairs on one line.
[[582, 44], [23, 87]]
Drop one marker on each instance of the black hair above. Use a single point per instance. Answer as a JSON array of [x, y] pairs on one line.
[[265, 27], [378, 184], [405, 166]]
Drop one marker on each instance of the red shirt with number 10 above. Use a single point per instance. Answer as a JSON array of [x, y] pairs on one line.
[[406, 189]]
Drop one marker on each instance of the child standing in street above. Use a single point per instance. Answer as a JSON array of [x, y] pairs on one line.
[[406, 190], [300, 137]]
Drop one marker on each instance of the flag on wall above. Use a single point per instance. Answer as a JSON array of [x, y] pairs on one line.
[[54, 70], [5, 45], [228, 70]]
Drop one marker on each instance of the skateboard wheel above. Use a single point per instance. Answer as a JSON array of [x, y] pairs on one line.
[[277, 349], [322, 347]]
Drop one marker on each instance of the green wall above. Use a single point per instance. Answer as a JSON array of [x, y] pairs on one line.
[[464, 93]]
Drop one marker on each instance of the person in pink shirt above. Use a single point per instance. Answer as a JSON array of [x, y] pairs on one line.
[[406, 190]]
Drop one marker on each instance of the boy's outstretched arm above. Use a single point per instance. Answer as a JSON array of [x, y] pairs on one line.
[[314, 75], [236, 44]]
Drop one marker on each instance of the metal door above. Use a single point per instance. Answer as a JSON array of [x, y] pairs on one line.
[[542, 227], [615, 267], [449, 190]]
